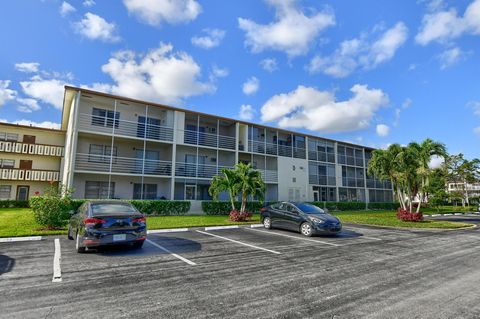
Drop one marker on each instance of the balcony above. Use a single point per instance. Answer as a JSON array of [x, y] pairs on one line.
[[32, 149], [208, 139], [16, 174], [122, 165], [91, 123], [183, 169], [269, 176]]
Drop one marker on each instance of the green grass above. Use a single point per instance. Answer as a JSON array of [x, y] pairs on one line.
[[448, 209], [388, 218], [16, 222]]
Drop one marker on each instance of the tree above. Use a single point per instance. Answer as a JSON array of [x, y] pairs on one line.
[[250, 183], [227, 182], [461, 172]]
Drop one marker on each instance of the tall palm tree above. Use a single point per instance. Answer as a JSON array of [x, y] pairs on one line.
[[227, 182], [250, 183]]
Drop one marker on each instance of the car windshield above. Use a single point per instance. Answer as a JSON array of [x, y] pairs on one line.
[[310, 209], [112, 208]]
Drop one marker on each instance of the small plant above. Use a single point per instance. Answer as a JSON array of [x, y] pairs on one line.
[[52, 209], [408, 216], [236, 216]]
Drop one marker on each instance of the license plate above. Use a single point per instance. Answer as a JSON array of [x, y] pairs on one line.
[[119, 237]]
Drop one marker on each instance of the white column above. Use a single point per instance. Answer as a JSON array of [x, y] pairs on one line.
[[111, 146]]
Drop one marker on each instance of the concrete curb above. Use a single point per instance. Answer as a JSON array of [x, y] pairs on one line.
[[16, 239], [412, 229]]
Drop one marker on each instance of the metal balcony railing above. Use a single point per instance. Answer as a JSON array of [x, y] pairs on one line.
[[208, 139], [29, 175], [269, 176], [33, 149], [94, 124], [126, 165], [193, 170]]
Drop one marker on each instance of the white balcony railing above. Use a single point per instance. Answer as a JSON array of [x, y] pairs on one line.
[[183, 169], [29, 175], [33, 149], [208, 139], [125, 165], [269, 176], [89, 123]]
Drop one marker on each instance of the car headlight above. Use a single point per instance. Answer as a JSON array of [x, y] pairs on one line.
[[316, 220]]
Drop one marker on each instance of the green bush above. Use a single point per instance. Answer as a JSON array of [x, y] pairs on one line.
[[224, 207], [162, 207], [14, 203], [52, 209], [335, 206], [383, 206]]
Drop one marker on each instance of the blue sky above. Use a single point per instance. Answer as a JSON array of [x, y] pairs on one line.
[[368, 72]]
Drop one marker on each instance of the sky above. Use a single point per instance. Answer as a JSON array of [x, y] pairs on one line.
[[368, 72]]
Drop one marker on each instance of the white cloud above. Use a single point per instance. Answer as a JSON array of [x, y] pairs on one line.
[[160, 75], [383, 130], [27, 105], [218, 72], [269, 64], [292, 32], [360, 53], [251, 86], [46, 90], [154, 12], [450, 57], [212, 38], [475, 105], [443, 25], [88, 3], [44, 124], [405, 105], [27, 67], [6, 94], [246, 112], [66, 8], [94, 27], [315, 110]]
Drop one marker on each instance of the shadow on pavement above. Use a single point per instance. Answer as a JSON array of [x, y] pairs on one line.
[[6, 264]]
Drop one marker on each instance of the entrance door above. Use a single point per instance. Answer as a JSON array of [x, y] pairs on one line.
[[190, 191], [22, 192], [29, 139], [315, 196], [25, 164]]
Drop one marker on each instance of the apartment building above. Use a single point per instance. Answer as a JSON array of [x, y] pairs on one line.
[[118, 147], [473, 189], [30, 159]]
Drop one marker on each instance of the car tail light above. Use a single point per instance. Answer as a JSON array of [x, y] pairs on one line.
[[93, 221], [139, 220], [263, 209]]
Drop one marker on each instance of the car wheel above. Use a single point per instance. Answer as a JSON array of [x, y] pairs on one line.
[[306, 229], [138, 244], [79, 248], [69, 234], [267, 223]]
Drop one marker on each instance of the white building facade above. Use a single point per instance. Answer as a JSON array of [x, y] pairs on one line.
[[121, 148]]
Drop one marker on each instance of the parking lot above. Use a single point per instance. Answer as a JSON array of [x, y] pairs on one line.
[[250, 273]]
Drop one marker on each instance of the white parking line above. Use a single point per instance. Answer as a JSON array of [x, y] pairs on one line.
[[171, 253], [295, 237], [57, 271], [240, 243], [256, 226], [170, 230], [10, 239], [221, 227]]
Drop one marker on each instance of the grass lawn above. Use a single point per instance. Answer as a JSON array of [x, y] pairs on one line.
[[160, 222], [388, 218]]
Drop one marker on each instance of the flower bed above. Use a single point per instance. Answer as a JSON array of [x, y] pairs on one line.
[[407, 216]]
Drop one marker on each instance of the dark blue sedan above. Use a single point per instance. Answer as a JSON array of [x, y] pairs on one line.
[[305, 218]]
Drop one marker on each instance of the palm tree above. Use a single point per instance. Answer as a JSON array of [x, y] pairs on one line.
[[227, 182], [250, 183], [423, 153]]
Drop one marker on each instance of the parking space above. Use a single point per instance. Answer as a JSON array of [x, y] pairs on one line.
[[185, 274]]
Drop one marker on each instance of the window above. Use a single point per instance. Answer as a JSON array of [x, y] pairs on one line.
[[326, 194], [10, 137], [293, 167], [321, 174], [7, 163], [5, 191], [351, 194], [97, 190], [150, 126], [149, 191], [294, 179], [353, 176], [379, 196], [101, 153], [107, 118]]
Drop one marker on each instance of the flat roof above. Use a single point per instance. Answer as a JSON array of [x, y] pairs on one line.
[[149, 103], [55, 130]]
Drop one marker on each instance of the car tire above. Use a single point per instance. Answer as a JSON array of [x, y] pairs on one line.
[[267, 223], [306, 229], [79, 248], [138, 244], [69, 234]]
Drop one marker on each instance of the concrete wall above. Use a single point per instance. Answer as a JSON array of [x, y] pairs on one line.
[[286, 175]]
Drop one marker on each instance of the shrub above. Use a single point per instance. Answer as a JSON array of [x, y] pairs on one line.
[[162, 207], [332, 206], [407, 216], [237, 216], [224, 207], [52, 209], [14, 203]]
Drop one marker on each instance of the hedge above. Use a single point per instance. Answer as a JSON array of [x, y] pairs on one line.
[[383, 206], [14, 203], [151, 207], [224, 207], [340, 205]]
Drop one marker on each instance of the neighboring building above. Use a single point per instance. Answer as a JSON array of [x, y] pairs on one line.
[[473, 190], [117, 147], [30, 158]]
